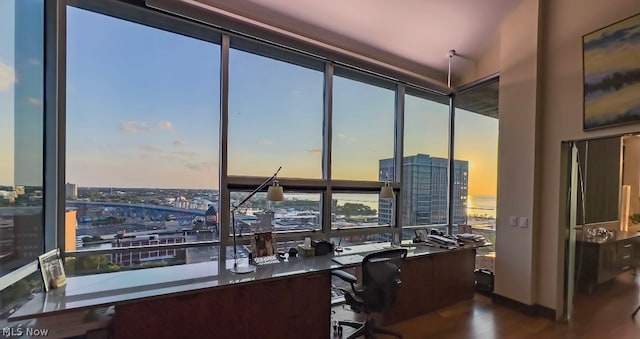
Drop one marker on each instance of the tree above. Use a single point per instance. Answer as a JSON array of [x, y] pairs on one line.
[[349, 209]]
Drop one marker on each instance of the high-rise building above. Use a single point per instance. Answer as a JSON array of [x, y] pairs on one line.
[[425, 190], [71, 191]]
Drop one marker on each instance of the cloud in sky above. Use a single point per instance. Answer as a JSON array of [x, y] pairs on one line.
[[201, 166], [340, 135], [165, 125], [141, 126], [7, 76], [35, 62], [267, 142], [133, 126], [34, 101], [181, 155], [314, 151], [178, 143], [150, 148]]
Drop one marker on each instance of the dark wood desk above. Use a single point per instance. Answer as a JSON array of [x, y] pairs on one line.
[[599, 260], [286, 300]]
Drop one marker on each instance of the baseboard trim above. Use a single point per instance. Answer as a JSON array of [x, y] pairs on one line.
[[532, 310]]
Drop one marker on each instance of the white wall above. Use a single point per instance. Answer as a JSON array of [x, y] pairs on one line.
[[540, 65], [488, 64], [518, 108], [564, 24]]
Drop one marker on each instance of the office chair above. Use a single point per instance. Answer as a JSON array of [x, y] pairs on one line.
[[380, 280]]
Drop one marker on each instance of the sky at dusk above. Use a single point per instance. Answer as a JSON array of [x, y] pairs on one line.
[[21, 92], [143, 111], [7, 83]]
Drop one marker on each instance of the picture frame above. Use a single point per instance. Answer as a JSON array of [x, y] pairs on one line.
[[52, 269], [611, 74], [262, 244], [421, 234]]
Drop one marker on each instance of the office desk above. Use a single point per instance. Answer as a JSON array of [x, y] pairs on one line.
[[598, 260], [286, 300]]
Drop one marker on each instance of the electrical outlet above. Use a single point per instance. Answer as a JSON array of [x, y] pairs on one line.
[[523, 222], [513, 221]]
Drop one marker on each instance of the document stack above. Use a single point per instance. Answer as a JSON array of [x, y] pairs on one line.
[[473, 239]]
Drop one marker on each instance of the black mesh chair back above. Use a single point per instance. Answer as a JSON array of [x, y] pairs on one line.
[[381, 278]]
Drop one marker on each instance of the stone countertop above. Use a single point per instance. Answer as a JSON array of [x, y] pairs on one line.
[[99, 290]]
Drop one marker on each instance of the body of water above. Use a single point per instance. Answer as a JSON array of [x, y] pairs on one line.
[[482, 205]]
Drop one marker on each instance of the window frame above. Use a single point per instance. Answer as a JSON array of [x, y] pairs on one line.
[[226, 38]]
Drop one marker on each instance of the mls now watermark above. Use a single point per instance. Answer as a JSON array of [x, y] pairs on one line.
[[19, 331]]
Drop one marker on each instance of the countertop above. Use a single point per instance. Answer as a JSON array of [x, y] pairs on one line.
[[99, 290], [616, 236]]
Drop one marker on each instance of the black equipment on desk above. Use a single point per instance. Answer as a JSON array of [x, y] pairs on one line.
[[322, 247]]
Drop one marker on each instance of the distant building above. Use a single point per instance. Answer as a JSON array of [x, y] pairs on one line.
[[70, 226], [425, 190], [71, 191], [181, 202]]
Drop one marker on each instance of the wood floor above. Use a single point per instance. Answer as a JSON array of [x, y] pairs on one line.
[[604, 314]]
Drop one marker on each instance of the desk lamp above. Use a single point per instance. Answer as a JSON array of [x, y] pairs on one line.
[[274, 193], [386, 192]]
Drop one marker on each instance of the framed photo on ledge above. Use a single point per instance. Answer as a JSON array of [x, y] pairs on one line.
[[52, 270], [262, 244]]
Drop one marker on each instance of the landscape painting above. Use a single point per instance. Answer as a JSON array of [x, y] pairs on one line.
[[612, 74]]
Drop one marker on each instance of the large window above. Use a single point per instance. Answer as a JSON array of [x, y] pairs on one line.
[[21, 149], [476, 141], [142, 140], [363, 125], [275, 115], [155, 102], [425, 161]]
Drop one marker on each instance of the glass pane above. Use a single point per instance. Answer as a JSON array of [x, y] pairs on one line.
[[477, 142], [425, 163], [21, 151], [142, 136], [363, 127], [21, 133], [275, 117], [353, 210], [298, 212]]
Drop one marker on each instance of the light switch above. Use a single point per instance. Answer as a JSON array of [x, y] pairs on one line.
[[513, 221], [522, 222]]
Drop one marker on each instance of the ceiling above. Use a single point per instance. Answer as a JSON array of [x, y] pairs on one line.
[[415, 35]]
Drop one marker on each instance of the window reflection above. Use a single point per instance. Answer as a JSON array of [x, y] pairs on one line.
[[141, 143]]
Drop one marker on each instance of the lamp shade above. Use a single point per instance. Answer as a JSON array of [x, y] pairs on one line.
[[386, 192], [275, 192]]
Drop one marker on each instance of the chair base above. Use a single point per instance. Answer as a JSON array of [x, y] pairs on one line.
[[367, 329]]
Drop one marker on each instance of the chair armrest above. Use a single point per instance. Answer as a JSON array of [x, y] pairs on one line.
[[344, 276]]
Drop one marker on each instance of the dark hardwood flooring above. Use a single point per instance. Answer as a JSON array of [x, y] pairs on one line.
[[606, 313]]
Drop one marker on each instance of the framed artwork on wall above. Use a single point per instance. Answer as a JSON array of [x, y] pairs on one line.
[[611, 75]]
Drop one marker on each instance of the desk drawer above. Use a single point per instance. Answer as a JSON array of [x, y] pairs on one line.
[[625, 250]]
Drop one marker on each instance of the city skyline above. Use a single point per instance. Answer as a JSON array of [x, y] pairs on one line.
[[152, 120]]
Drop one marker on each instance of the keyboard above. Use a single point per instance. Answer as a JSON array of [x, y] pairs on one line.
[[348, 259], [266, 260]]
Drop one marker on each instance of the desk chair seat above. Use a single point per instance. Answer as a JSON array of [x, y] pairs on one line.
[[380, 281]]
